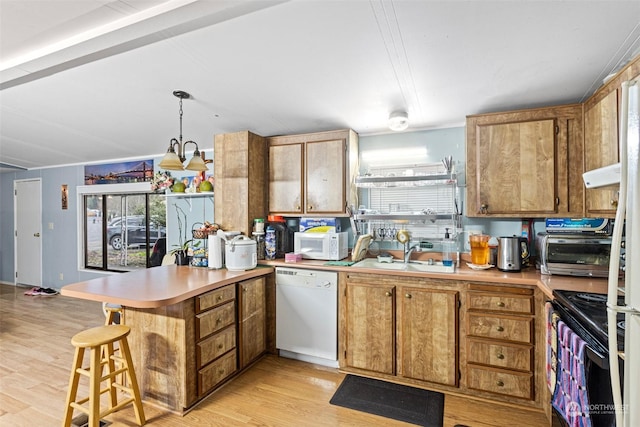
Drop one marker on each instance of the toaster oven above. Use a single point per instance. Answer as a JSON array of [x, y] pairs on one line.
[[574, 254]]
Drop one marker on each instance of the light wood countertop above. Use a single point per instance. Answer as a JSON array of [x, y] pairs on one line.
[[529, 276], [166, 285], [158, 286]]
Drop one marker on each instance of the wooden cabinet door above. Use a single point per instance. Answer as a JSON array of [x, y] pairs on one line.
[[370, 318], [601, 149], [285, 178], [516, 168], [325, 184], [252, 320], [429, 334]]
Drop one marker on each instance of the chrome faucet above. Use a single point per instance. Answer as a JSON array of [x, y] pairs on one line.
[[409, 250]]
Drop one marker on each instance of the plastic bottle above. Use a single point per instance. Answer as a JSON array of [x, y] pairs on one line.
[[270, 243], [282, 235]]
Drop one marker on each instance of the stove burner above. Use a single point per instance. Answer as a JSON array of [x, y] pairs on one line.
[[621, 325], [592, 297]]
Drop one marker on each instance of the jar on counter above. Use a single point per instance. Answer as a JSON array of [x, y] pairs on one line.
[[260, 244]]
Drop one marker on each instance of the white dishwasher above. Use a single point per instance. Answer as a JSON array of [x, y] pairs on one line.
[[307, 315]]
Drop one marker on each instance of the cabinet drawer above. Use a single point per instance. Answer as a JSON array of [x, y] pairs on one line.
[[215, 319], [214, 373], [500, 302], [501, 327], [511, 383], [216, 345], [510, 356], [216, 297]]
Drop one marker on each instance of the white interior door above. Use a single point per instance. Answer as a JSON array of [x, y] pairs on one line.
[[28, 231]]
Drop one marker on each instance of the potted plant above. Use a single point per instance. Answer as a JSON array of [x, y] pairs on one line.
[[181, 251]]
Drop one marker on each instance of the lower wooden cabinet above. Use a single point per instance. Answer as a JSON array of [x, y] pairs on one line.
[[480, 340], [215, 320], [500, 347], [429, 334], [407, 331], [500, 381], [370, 325], [216, 372], [184, 351], [252, 316]]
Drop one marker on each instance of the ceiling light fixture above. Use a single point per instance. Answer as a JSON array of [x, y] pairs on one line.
[[398, 120], [175, 156]]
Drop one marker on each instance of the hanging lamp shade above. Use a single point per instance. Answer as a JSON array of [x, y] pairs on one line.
[[171, 161], [196, 163]]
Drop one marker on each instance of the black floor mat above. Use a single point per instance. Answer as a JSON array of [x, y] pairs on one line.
[[399, 402]]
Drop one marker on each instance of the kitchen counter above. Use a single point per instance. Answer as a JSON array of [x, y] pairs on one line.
[[158, 286], [529, 276]]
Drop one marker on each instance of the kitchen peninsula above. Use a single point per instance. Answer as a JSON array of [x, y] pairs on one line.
[[194, 328], [188, 326]]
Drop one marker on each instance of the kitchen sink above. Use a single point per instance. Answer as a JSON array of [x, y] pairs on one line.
[[412, 266]]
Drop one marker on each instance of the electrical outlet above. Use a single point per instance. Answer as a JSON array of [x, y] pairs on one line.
[[61, 276], [50, 226]]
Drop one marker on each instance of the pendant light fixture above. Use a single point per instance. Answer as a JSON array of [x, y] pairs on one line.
[[175, 156]]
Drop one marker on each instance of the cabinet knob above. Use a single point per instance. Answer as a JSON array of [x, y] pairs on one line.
[[484, 208], [309, 208], [407, 295], [500, 356], [500, 304], [614, 202], [220, 346], [499, 328], [297, 207], [500, 383], [218, 320], [219, 297], [388, 293]]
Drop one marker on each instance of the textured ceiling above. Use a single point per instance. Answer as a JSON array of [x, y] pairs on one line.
[[86, 81]]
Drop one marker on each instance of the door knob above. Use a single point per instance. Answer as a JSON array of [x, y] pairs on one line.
[[36, 234]]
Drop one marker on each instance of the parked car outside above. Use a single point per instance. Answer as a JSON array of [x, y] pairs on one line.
[[136, 232]]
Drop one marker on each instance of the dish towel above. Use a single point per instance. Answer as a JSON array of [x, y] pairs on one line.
[[552, 345], [570, 396]]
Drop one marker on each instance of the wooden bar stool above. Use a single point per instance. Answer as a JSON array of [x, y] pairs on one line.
[[97, 339], [113, 313]]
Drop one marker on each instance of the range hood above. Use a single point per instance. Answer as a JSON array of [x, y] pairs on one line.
[[602, 177]]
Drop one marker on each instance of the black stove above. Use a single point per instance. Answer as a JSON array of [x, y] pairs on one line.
[[590, 311]]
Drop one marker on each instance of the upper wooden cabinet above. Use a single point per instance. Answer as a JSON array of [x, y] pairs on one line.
[[240, 180], [312, 174], [525, 163], [601, 149]]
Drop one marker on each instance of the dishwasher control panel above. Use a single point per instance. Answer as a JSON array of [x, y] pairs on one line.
[[306, 278]]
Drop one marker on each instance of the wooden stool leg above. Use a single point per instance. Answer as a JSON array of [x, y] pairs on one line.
[[73, 386], [113, 395], [137, 403], [94, 387]]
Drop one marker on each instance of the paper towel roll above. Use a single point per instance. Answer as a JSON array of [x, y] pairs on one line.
[[215, 251]]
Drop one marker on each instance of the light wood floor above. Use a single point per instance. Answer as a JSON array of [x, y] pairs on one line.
[[36, 356]]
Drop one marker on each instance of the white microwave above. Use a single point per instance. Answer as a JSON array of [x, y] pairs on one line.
[[324, 246]]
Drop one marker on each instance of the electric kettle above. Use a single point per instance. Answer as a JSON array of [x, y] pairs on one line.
[[513, 253]]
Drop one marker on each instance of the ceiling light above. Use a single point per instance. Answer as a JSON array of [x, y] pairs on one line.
[[175, 156], [398, 120]]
